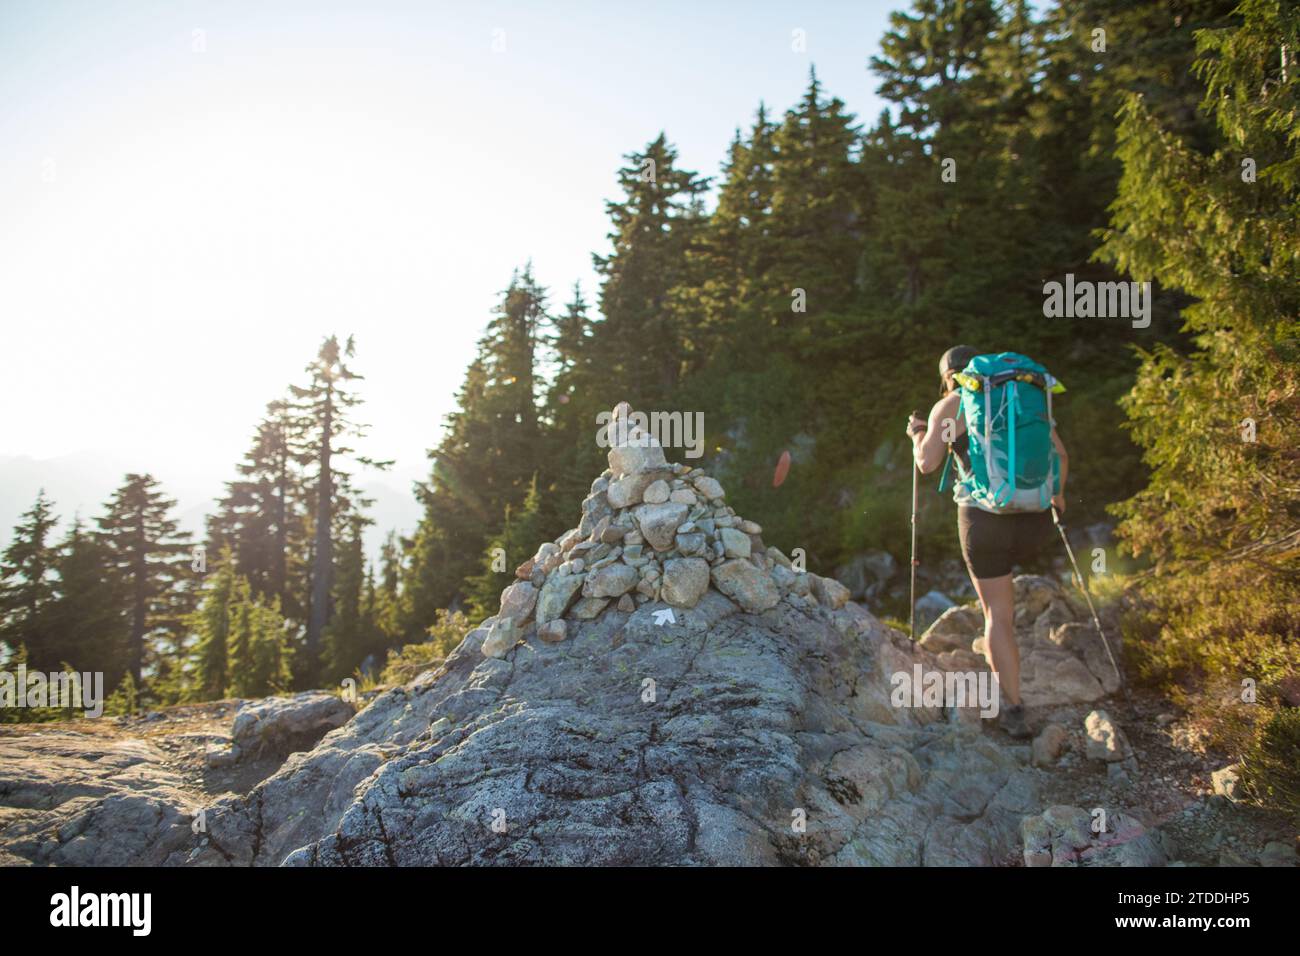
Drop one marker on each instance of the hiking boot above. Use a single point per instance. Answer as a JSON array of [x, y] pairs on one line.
[[1012, 720]]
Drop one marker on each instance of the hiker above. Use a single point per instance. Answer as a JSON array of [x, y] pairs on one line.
[[1002, 519]]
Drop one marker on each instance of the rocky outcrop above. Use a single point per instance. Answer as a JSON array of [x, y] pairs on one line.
[[753, 726], [1062, 658], [723, 738], [1071, 836], [76, 799], [281, 725], [658, 687]]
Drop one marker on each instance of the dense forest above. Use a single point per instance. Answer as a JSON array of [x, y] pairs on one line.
[[800, 301]]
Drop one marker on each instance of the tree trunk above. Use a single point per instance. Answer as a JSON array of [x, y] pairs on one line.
[[280, 571], [324, 558], [139, 603]]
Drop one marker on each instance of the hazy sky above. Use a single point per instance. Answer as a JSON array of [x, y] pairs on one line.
[[193, 194]]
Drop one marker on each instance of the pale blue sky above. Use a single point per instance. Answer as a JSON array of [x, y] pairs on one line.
[[183, 215]]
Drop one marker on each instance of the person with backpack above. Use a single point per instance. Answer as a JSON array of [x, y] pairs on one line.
[[994, 423]]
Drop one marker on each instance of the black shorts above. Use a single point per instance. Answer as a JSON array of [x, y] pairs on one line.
[[992, 544]]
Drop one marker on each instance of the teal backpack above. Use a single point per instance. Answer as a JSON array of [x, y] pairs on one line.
[[1006, 400]]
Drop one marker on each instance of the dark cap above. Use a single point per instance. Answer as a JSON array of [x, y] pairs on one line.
[[956, 359]]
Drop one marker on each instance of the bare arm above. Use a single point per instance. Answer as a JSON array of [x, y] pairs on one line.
[[929, 446]]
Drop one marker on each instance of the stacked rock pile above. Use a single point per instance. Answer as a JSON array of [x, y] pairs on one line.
[[650, 531]]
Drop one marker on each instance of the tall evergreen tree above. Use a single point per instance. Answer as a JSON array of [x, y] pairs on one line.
[[817, 209], [570, 456], [272, 651], [26, 585], [261, 516], [490, 449], [89, 615], [729, 263], [1220, 425], [642, 339], [322, 425], [348, 638], [387, 601], [150, 554]]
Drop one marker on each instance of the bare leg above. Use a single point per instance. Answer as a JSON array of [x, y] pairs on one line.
[[997, 599]]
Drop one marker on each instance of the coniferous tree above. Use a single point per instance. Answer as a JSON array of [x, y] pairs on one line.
[[239, 638], [735, 250], [89, 614], [387, 599], [817, 209], [152, 557], [321, 427], [486, 459], [569, 412], [211, 624], [27, 588], [1219, 424], [520, 534], [455, 515], [348, 638], [641, 341], [272, 652], [261, 516]]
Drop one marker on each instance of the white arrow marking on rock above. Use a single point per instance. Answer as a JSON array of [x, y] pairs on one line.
[[664, 616]]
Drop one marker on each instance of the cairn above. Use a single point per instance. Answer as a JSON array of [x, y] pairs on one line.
[[651, 532]]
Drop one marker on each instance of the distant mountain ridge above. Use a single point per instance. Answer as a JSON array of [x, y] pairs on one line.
[[82, 481]]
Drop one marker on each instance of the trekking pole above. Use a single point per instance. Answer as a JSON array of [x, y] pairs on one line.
[[1096, 621], [911, 622]]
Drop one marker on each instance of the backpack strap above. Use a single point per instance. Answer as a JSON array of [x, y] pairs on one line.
[[947, 463], [1054, 473], [1013, 400], [988, 438]]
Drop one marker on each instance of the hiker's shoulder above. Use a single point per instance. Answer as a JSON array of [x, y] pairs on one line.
[[948, 404]]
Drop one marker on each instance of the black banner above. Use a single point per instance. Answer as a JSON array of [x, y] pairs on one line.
[[125, 907]]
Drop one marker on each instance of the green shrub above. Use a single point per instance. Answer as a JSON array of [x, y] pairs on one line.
[[1271, 765], [448, 630]]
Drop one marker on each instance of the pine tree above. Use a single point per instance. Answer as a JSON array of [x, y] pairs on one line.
[[1220, 424], [817, 208], [1199, 223], [348, 638], [211, 624], [261, 516], [387, 601], [519, 535], [490, 449], [240, 613], [89, 613], [26, 586], [456, 517], [642, 339], [736, 248], [272, 653], [150, 554], [569, 455], [257, 644], [321, 425]]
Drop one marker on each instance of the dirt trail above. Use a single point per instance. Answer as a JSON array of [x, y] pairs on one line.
[[184, 733], [1172, 788]]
